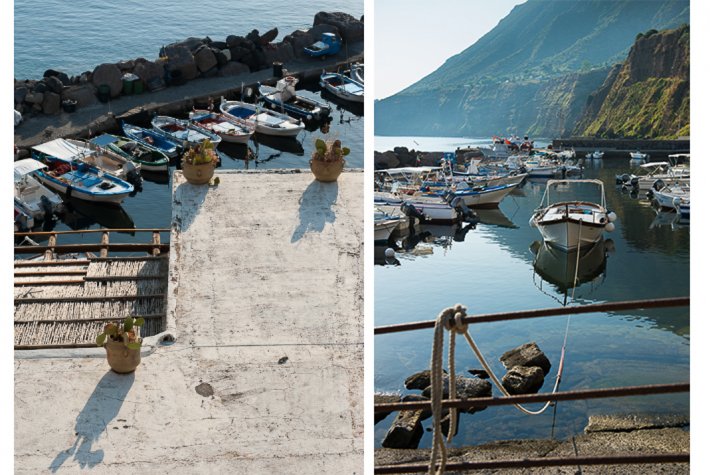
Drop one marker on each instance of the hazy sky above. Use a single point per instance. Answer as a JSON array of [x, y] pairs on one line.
[[415, 37]]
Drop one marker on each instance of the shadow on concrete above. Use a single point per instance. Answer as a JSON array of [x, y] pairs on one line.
[[316, 208], [101, 408], [189, 198]]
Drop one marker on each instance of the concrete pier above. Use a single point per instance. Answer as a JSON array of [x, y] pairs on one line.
[[100, 117], [265, 373]]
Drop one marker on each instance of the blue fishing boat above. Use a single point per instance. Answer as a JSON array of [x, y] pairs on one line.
[[80, 180], [152, 140], [328, 44], [283, 97], [183, 131]]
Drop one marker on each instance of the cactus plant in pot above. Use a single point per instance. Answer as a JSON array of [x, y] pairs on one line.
[[198, 163], [327, 160], [122, 344]]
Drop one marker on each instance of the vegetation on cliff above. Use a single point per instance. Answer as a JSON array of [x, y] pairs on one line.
[[649, 95]]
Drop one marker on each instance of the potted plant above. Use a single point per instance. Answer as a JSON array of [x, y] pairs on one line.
[[327, 160], [122, 343], [198, 163]]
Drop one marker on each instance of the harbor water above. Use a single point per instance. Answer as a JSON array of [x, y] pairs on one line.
[[48, 33], [500, 265]]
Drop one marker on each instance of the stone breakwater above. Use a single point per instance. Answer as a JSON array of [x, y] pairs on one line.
[[178, 63], [403, 157]]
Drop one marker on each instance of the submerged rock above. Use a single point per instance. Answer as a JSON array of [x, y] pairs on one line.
[[466, 388], [523, 379], [528, 354], [405, 432], [384, 398]]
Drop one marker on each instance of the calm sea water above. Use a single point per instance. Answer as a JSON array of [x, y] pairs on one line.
[[496, 267], [76, 36]]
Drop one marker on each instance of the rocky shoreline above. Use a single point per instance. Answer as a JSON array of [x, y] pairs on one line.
[[177, 64]]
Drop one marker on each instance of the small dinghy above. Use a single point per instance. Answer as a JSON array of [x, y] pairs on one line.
[[569, 225], [183, 131], [265, 121], [69, 150], [385, 224], [283, 98], [596, 155], [230, 129], [31, 197], [82, 181], [153, 140], [343, 87], [149, 159]]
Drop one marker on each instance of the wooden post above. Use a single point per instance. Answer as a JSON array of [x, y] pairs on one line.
[[104, 244], [49, 253]]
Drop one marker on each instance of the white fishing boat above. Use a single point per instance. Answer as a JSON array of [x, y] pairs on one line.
[[265, 121], [385, 224], [541, 168], [479, 197], [595, 155], [183, 131], [572, 224], [639, 156], [33, 198], [230, 129], [284, 98], [343, 87], [69, 150], [673, 197]]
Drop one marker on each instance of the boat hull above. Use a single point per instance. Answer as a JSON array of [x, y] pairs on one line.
[[569, 234], [383, 229], [78, 193]]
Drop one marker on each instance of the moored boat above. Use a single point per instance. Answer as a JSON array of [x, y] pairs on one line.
[[284, 98], [595, 155], [673, 197], [572, 224], [33, 198], [183, 131], [384, 226], [83, 181], [343, 87], [230, 129], [149, 159], [153, 140], [328, 44], [265, 121]]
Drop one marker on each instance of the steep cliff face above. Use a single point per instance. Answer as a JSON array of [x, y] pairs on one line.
[[649, 95], [533, 73]]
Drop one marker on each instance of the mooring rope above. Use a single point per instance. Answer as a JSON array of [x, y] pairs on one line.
[[451, 319]]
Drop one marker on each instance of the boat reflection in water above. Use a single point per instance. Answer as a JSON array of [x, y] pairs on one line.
[[560, 268], [437, 235], [84, 214], [282, 144], [494, 217], [669, 218]]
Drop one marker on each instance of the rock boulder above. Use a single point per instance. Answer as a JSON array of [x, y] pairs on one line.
[[523, 379], [278, 52], [349, 27], [52, 103], [405, 432], [205, 58], [528, 354], [150, 72], [84, 95], [54, 84], [110, 75], [180, 59], [299, 39], [387, 159], [465, 388], [268, 37], [384, 398]]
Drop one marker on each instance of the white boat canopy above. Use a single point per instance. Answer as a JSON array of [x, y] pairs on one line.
[[655, 164], [60, 148], [680, 155], [409, 170], [26, 166]]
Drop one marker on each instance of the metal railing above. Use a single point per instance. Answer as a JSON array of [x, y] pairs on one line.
[[544, 397]]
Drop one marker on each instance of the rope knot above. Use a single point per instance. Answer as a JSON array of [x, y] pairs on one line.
[[453, 319]]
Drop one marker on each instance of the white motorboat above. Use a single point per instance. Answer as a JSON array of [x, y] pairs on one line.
[[432, 209], [480, 197], [672, 197], [265, 121], [343, 87], [541, 168], [572, 224], [69, 150], [638, 155], [660, 174], [33, 198], [385, 224], [230, 129], [595, 155], [183, 131]]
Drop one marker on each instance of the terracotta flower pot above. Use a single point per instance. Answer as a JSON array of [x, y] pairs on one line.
[[120, 358], [327, 171], [198, 174]]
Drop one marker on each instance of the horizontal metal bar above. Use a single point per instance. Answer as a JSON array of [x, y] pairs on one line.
[[50, 272], [70, 248], [544, 462], [545, 312], [542, 397], [92, 298], [62, 262], [37, 283], [88, 320], [67, 345], [100, 230]]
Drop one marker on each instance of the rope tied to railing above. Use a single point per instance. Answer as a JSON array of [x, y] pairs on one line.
[[450, 319]]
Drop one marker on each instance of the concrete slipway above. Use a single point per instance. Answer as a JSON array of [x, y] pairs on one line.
[[265, 374]]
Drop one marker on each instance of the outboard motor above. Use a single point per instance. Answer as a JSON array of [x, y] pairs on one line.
[[466, 213], [411, 211], [133, 176], [658, 185], [46, 206]]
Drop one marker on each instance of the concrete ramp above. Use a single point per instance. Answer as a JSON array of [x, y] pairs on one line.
[[265, 300]]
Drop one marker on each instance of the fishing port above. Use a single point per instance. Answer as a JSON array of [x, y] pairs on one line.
[[205, 333]]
